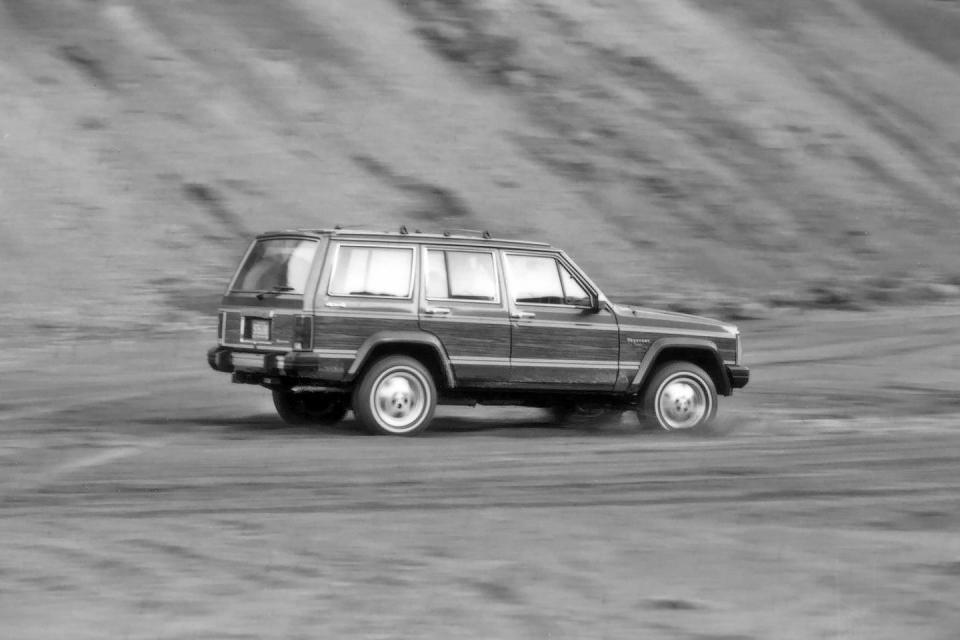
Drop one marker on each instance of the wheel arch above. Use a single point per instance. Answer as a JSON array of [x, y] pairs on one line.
[[700, 352], [420, 345]]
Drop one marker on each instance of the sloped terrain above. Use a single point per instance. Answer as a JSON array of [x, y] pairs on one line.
[[686, 153]]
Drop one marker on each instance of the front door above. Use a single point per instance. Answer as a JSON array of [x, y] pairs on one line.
[[559, 338], [464, 305]]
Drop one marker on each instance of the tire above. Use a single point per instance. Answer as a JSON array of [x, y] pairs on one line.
[[680, 397], [309, 408], [396, 396]]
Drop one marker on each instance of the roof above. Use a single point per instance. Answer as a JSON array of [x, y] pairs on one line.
[[456, 236]]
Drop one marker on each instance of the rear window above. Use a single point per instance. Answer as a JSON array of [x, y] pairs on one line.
[[277, 264]]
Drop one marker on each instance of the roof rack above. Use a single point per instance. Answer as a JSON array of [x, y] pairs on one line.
[[453, 234], [467, 232]]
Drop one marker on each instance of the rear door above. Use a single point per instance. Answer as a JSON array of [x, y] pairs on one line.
[[463, 304], [559, 338], [366, 287]]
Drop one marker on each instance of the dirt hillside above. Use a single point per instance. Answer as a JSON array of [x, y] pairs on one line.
[[693, 152]]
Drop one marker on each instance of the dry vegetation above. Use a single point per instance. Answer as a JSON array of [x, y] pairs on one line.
[[725, 156]]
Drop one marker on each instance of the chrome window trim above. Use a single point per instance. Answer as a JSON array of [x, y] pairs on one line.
[[373, 245]]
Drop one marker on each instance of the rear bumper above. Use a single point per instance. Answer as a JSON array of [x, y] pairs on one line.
[[219, 359], [230, 361], [296, 364], [739, 376]]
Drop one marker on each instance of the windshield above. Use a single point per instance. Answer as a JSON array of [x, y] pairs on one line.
[[280, 264]]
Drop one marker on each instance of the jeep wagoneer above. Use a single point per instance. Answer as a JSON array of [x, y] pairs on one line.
[[388, 325]]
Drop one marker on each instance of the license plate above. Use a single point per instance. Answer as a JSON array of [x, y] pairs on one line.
[[259, 330]]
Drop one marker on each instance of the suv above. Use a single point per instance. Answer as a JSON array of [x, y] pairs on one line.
[[391, 324]]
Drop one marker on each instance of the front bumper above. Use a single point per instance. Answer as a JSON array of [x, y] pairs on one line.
[[738, 375]]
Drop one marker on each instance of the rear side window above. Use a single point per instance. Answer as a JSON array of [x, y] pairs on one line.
[[461, 275], [277, 264], [544, 280], [373, 271]]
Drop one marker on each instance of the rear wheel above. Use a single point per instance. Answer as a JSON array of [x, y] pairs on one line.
[[309, 408], [396, 396], [680, 397]]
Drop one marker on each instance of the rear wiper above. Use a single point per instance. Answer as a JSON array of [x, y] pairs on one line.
[[275, 291]]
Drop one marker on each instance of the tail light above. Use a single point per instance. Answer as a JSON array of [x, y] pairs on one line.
[[303, 333], [220, 325]]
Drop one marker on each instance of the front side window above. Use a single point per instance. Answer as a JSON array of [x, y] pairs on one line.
[[535, 279], [372, 271], [461, 275], [543, 280], [277, 264]]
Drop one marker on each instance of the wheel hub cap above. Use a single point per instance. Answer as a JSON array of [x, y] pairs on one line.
[[399, 399], [682, 403]]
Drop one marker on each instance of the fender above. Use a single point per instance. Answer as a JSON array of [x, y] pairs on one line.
[[419, 338], [700, 344]]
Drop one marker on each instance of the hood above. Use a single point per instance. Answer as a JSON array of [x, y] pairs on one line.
[[651, 318]]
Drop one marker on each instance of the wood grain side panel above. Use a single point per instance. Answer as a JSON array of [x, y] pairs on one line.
[[565, 347], [471, 338], [533, 341], [338, 332]]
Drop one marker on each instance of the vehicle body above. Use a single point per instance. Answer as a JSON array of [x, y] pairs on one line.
[[390, 324]]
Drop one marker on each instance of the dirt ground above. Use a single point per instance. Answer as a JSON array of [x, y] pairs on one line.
[[143, 496]]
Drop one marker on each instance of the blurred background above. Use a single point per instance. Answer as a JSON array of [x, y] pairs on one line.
[[732, 157], [793, 165]]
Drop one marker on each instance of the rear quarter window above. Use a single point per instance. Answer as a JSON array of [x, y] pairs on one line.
[[372, 271]]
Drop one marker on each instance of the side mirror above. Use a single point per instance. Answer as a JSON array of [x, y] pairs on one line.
[[595, 305]]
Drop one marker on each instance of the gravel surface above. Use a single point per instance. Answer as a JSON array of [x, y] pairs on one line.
[[142, 496]]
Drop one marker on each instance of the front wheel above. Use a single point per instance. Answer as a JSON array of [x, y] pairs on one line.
[[680, 397], [396, 396]]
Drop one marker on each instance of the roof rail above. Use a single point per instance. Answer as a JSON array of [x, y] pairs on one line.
[[353, 227], [467, 232]]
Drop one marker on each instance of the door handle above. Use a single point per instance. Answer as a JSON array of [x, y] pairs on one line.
[[337, 305], [522, 315], [436, 311]]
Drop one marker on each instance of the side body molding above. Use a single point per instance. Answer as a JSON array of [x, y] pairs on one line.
[[400, 338], [700, 344]]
